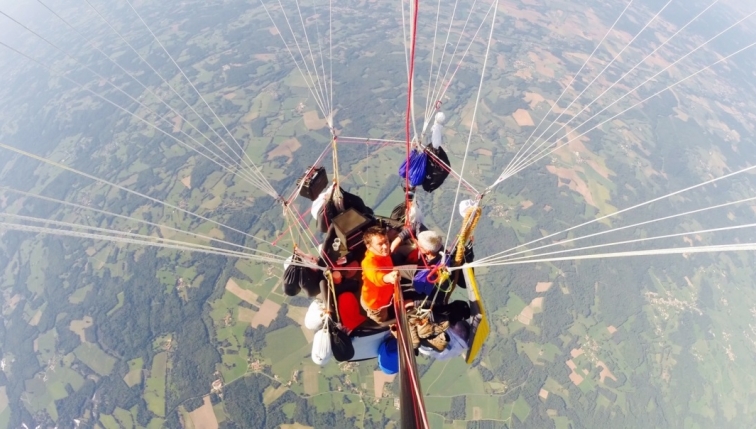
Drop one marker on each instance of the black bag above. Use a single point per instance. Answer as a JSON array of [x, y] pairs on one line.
[[341, 344], [296, 278], [314, 183], [435, 174]]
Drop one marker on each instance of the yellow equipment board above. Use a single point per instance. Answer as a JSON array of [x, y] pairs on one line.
[[479, 323]]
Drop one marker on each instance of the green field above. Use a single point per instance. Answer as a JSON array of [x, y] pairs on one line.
[[154, 391], [118, 305], [286, 348], [93, 357]]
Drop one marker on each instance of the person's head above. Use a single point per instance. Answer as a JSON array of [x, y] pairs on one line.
[[429, 242], [376, 241]]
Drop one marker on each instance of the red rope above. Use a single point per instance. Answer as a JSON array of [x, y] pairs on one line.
[[413, 31]]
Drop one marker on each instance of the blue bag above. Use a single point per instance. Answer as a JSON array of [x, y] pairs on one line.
[[418, 161], [388, 356]]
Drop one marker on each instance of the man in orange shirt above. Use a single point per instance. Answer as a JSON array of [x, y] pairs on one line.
[[378, 275]]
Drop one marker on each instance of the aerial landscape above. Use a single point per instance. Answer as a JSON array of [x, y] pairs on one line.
[[612, 255]]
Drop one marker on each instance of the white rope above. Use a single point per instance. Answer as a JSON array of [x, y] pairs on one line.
[[428, 102], [322, 85], [627, 73], [169, 135], [237, 162], [440, 63], [635, 225], [241, 149], [472, 121], [330, 47], [667, 251], [127, 190], [514, 162], [637, 240], [125, 240], [311, 83], [551, 107], [435, 95], [539, 156], [322, 61], [671, 194], [142, 221], [116, 233], [270, 191]]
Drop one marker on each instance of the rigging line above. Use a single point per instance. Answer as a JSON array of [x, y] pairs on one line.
[[454, 53], [445, 87], [142, 221], [610, 215], [415, 10], [408, 115], [585, 63], [83, 88], [562, 242], [320, 51], [160, 76], [92, 45], [637, 240], [241, 149], [127, 190], [323, 86], [630, 71], [428, 102], [514, 162], [537, 157], [301, 231], [472, 121], [123, 240], [330, 47], [665, 251], [116, 233], [441, 61], [310, 84]]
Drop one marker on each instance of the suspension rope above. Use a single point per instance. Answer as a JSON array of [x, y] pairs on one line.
[[322, 85], [266, 185], [142, 221], [199, 94], [127, 190], [311, 83], [541, 154], [440, 64], [472, 121], [139, 118], [637, 240], [551, 108], [635, 225], [610, 215], [653, 252], [606, 67], [445, 87], [91, 43], [409, 117], [586, 107], [451, 60]]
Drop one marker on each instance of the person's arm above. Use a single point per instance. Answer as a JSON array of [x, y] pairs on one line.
[[378, 276], [395, 244]]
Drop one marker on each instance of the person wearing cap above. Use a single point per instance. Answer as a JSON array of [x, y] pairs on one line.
[[378, 275]]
